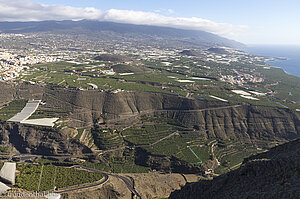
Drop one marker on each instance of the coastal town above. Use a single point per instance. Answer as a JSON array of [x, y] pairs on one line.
[[13, 65], [72, 63]]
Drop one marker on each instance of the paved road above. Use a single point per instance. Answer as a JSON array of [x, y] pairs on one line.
[[128, 182]]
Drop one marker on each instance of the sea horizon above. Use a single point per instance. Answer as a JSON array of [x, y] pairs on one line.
[[291, 65]]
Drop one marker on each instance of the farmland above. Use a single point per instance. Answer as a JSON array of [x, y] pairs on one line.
[[187, 80], [48, 177], [183, 77], [11, 109]]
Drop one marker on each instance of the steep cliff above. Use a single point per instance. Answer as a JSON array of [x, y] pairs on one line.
[[244, 122], [39, 140], [12, 91]]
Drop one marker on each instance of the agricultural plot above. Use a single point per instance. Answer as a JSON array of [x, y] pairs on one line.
[[48, 113], [177, 146], [12, 109], [156, 77], [47, 177], [79, 133], [167, 139], [106, 139], [151, 138], [128, 167], [148, 135], [120, 161], [230, 155]]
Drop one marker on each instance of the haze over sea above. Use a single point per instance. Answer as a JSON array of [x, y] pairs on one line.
[[292, 53]]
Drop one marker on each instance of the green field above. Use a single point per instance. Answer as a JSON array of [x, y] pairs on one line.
[[48, 113], [11, 109], [164, 79], [163, 136], [231, 154], [47, 177]]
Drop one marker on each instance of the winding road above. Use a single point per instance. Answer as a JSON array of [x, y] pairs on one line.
[[128, 182]]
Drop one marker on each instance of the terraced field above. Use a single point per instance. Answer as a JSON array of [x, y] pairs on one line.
[[231, 154], [12, 109], [164, 136]]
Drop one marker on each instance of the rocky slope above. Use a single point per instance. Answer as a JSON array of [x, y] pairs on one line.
[[39, 140], [273, 174], [242, 122], [215, 120], [11, 91], [149, 185]]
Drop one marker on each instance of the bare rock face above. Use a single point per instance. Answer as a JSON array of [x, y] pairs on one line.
[[13, 91], [106, 192], [149, 185], [245, 123], [273, 174], [39, 140]]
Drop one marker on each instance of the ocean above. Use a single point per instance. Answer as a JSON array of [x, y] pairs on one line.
[[292, 53]]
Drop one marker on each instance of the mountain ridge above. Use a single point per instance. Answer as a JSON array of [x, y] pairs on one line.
[[91, 26]]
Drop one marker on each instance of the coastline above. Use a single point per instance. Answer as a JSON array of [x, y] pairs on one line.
[[285, 57], [275, 59], [279, 67]]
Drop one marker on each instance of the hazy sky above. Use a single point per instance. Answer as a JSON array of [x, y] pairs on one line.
[[248, 21]]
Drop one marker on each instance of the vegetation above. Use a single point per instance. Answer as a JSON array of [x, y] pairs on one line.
[[161, 135], [164, 79], [46, 177], [11, 109], [106, 138], [47, 113]]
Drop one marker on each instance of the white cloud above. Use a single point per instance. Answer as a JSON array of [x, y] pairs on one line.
[[170, 11], [150, 18], [25, 10]]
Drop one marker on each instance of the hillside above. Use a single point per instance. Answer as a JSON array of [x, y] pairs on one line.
[[112, 58], [39, 140], [159, 126], [273, 174], [187, 37], [240, 122]]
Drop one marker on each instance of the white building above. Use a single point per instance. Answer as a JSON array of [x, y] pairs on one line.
[[8, 172]]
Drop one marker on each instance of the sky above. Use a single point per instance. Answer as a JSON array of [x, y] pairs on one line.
[[247, 21]]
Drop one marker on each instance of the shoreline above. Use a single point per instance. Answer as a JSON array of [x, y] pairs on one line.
[[285, 58], [279, 67]]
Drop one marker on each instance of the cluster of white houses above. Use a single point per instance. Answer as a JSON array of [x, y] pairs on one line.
[[12, 65]]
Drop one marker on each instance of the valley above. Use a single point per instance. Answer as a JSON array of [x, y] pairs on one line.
[[125, 112]]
